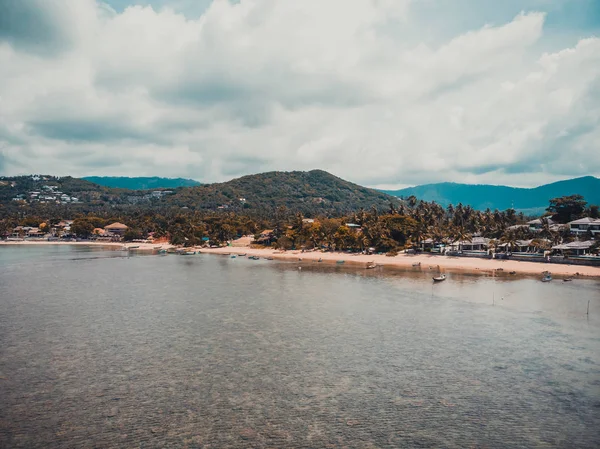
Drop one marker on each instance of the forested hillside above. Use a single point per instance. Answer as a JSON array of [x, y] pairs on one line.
[[312, 193]]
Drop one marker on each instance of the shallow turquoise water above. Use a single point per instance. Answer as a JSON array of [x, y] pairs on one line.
[[103, 350]]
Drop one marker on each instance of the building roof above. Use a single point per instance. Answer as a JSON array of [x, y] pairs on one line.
[[116, 225], [474, 241], [575, 245], [586, 220], [539, 221]]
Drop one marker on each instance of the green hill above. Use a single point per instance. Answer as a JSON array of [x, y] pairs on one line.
[[140, 183], [313, 192], [533, 200]]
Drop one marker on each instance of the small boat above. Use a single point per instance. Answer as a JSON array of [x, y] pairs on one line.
[[269, 258], [320, 260], [162, 251], [371, 266], [439, 278], [253, 257], [567, 280], [233, 256], [340, 261], [188, 253], [418, 264], [547, 278], [499, 269], [134, 247], [512, 272], [157, 247], [242, 255]]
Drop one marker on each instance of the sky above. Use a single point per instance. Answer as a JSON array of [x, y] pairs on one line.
[[384, 93]]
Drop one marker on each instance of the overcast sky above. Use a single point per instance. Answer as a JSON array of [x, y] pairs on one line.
[[384, 93]]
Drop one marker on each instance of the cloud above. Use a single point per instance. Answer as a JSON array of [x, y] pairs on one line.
[[364, 89]]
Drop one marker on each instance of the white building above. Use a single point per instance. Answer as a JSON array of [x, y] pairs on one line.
[[584, 225]]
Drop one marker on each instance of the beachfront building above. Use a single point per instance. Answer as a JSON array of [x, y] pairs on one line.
[[29, 232], [117, 229], [574, 248], [475, 244], [584, 225], [266, 237]]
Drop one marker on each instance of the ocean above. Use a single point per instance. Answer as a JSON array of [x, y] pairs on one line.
[[98, 350]]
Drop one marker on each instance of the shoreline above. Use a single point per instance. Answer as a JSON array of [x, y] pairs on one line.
[[128, 245], [445, 263]]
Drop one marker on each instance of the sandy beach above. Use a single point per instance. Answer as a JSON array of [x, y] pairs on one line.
[[445, 263]]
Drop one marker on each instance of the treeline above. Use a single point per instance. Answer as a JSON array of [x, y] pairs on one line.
[[397, 227]]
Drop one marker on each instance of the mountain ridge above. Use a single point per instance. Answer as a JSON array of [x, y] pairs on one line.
[[483, 196], [314, 191]]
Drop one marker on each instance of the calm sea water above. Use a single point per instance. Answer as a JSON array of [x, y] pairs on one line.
[[98, 350]]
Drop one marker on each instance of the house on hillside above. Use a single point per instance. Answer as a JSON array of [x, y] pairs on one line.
[[584, 225]]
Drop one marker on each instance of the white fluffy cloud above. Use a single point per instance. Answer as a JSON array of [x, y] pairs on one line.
[[360, 88]]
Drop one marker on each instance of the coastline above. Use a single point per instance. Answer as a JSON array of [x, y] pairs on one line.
[[129, 245], [445, 263]]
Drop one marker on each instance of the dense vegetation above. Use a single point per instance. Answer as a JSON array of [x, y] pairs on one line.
[[343, 216], [480, 197], [141, 183]]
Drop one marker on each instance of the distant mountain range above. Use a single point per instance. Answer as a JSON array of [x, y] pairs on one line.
[[313, 193], [531, 201], [121, 182]]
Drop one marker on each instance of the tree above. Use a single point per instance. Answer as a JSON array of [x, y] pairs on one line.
[[81, 227], [567, 208], [132, 234]]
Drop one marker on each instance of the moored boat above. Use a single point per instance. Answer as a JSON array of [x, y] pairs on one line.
[[188, 253], [341, 261], [547, 277], [371, 265], [439, 278], [418, 264]]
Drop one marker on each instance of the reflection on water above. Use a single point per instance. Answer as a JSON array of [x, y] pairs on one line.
[[207, 351]]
